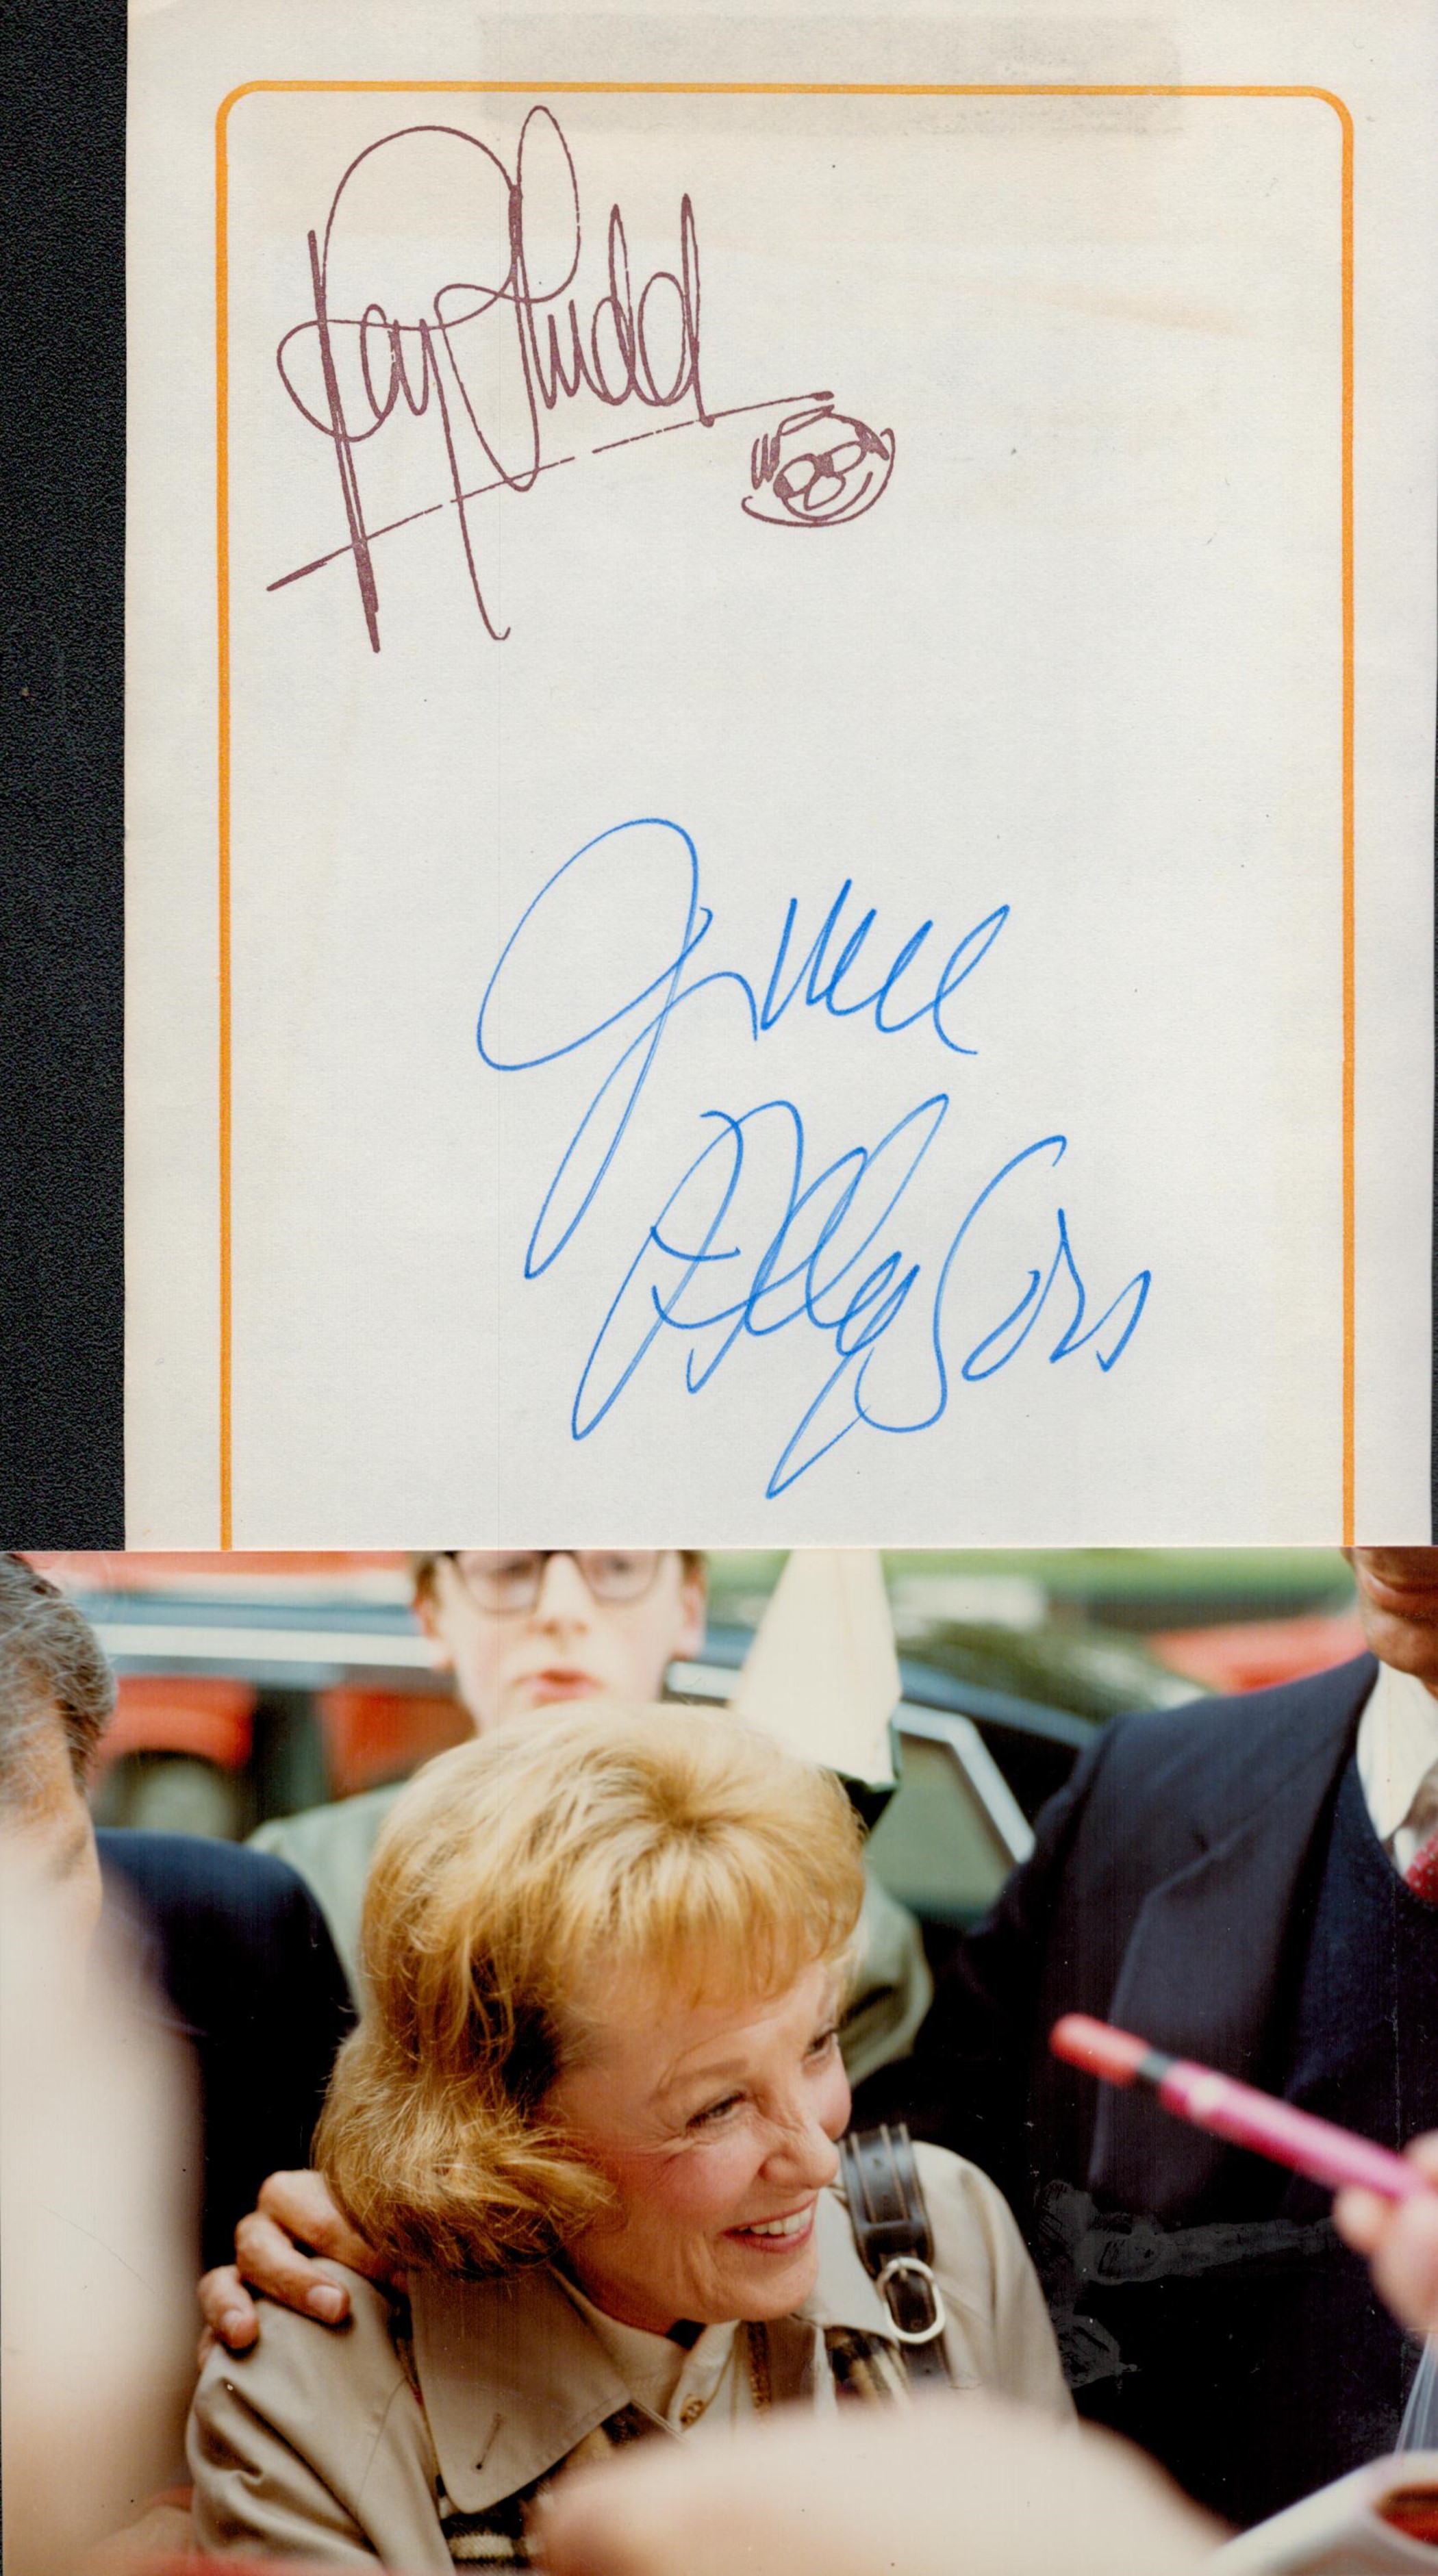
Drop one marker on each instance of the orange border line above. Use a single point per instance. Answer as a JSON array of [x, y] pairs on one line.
[[222, 586], [1350, 906], [767, 89]]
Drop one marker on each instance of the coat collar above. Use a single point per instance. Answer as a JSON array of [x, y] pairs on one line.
[[1205, 1955], [844, 2294], [512, 2376]]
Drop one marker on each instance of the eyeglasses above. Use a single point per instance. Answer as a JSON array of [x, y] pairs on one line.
[[509, 1583]]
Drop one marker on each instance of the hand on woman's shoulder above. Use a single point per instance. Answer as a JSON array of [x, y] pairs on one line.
[[286, 2340], [283, 2437]]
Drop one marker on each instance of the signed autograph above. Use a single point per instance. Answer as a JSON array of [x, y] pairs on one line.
[[754, 1237], [507, 342], [504, 340]]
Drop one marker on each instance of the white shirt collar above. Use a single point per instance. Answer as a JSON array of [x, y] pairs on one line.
[[1397, 1747]]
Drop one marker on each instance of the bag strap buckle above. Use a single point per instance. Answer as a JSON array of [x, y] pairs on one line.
[[894, 2240], [912, 2267]]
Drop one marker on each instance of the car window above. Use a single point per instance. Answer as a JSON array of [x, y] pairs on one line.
[[934, 1846]]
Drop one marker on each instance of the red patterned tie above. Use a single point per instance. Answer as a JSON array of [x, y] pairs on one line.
[[1422, 1871]]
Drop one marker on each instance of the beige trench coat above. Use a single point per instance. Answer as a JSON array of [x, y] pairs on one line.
[[320, 2444]]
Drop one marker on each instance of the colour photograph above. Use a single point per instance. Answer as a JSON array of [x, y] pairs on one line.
[[646, 2058]]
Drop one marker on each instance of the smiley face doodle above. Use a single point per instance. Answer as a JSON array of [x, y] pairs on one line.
[[818, 469]]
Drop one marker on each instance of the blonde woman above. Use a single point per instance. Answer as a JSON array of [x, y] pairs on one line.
[[592, 2111]]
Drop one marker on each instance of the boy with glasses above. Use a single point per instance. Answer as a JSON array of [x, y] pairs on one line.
[[522, 1631]]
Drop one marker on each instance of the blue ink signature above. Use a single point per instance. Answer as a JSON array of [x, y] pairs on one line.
[[753, 1239]]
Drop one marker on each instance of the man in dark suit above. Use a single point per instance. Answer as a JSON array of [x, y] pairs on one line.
[[239, 1952], [239, 1957], [1249, 1882]]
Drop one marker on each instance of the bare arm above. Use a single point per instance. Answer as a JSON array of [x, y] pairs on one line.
[[964, 2483]]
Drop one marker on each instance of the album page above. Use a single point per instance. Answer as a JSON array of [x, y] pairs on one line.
[[780, 755]]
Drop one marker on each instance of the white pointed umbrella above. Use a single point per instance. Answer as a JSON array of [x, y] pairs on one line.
[[822, 1676]]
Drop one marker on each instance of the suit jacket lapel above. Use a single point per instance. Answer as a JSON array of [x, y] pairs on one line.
[[1205, 1956]]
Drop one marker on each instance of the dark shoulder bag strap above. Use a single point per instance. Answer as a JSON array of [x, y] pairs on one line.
[[891, 2230]]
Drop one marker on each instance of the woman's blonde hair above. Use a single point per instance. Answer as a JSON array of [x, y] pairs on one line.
[[525, 1882]]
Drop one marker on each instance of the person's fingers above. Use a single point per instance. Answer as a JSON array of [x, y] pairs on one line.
[[300, 2204], [228, 2311], [1358, 2217], [1362, 2216], [1405, 2263], [271, 2262], [1400, 2239]]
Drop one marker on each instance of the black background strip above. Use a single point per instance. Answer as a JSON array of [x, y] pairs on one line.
[[62, 467]]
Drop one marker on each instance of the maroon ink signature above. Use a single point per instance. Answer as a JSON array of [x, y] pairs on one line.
[[515, 345], [519, 333], [818, 469]]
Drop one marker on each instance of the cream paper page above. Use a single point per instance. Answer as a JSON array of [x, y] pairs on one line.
[[780, 755]]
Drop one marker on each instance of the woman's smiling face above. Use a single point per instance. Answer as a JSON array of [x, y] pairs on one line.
[[714, 2126]]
